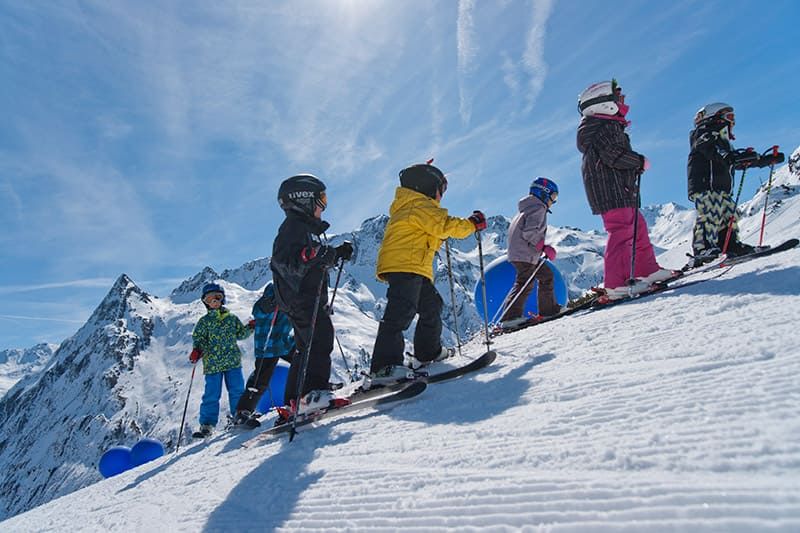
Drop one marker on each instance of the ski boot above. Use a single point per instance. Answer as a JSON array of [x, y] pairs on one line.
[[204, 432]]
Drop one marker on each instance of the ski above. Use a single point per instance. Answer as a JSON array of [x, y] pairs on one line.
[[786, 245], [724, 261], [602, 303], [585, 302], [599, 302], [473, 366], [360, 400]]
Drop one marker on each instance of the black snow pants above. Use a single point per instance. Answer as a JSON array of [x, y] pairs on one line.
[[318, 373], [407, 296]]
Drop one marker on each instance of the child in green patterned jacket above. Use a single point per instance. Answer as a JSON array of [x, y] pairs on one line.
[[214, 340]]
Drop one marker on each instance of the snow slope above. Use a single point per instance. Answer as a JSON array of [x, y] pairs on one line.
[[677, 412]]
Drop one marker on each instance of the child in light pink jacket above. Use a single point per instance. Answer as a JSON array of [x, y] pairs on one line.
[[525, 247]]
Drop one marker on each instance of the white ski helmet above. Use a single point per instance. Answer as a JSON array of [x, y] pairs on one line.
[[600, 99], [717, 109]]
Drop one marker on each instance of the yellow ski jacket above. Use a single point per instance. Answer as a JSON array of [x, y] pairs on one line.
[[417, 226]]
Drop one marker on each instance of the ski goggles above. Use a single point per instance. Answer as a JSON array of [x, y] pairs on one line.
[[553, 197], [214, 297], [321, 200], [729, 116], [442, 185]]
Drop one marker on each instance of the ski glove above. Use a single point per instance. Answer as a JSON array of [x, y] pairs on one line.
[[344, 251], [195, 356], [771, 159], [744, 157], [251, 323], [549, 252], [478, 219]]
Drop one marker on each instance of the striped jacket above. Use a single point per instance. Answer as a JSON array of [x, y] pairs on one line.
[[610, 166]]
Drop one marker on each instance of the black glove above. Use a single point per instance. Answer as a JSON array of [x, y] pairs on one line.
[[770, 159], [744, 158], [344, 251]]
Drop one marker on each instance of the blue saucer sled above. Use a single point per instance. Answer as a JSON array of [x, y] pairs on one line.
[[146, 450], [273, 396], [115, 460], [118, 459], [500, 275]]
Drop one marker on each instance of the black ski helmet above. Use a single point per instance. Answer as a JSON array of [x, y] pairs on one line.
[[424, 178], [302, 193]]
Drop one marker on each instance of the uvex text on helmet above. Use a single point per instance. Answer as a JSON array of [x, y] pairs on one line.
[[302, 193], [425, 179]]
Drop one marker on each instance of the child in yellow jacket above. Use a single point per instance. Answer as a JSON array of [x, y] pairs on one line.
[[415, 231]]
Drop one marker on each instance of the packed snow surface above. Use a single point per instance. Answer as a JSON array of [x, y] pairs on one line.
[[675, 412]]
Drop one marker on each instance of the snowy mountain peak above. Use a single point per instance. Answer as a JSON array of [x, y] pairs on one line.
[[252, 275], [57, 421], [122, 296], [38, 353], [189, 290], [16, 364]]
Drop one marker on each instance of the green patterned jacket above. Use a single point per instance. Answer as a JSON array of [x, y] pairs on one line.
[[215, 335]]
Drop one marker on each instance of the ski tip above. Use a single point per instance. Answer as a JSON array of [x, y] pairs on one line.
[[417, 385]]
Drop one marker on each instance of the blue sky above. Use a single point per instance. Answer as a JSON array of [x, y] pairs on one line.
[[150, 137]]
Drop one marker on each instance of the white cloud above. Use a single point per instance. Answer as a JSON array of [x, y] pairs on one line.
[[533, 58], [78, 283], [510, 74], [38, 318], [466, 47]]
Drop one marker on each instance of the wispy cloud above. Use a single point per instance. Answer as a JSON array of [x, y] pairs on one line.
[[40, 318], [533, 58], [93, 283], [466, 48]]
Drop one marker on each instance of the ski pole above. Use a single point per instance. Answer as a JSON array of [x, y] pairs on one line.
[[733, 214], [330, 312], [504, 308], [304, 363], [452, 294], [185, 407], [632, 279], [766, 198], [483, 287], [336, 287], [341, 351]]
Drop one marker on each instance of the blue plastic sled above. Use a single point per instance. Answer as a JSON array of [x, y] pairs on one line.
[[500, 276]]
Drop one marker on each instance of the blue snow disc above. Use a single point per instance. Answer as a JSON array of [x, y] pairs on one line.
[[500, 275], [115, 460], [145, 451], [273, 396]]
